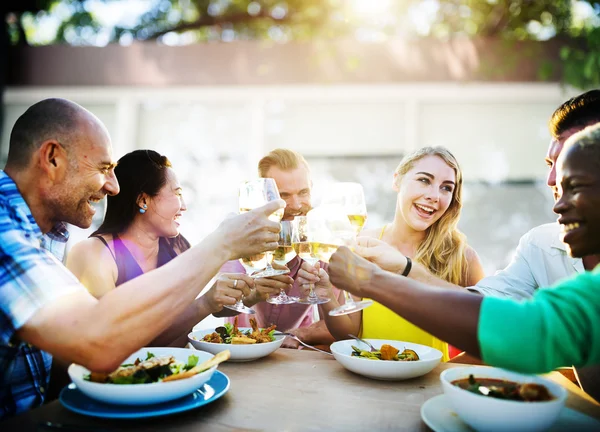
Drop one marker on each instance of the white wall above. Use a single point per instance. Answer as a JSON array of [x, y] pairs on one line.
[[214, 137]]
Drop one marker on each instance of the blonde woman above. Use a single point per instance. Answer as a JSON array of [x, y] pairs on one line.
[[428, 183]]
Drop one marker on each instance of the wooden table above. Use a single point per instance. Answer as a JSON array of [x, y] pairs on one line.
[[290, 390]]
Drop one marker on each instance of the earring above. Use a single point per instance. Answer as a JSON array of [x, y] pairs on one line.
[[143, 209]]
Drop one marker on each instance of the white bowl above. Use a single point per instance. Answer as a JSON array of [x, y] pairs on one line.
[[239, 353], [143, 394], [382, 369], [496, 415]]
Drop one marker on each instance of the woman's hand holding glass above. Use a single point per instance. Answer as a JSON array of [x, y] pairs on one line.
[[272, 288], [227, 290], [305, 232], [316, 276], [379, 252]]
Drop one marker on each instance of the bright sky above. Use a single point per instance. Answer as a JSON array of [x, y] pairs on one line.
[[123, 12]]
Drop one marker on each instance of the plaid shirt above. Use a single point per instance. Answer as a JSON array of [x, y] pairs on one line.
[[30, 277], [55, 241]]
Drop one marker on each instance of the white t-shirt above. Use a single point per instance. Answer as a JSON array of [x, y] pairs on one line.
[[540, 261]]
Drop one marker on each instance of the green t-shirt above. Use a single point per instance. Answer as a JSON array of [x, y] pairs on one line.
[[559, 326]]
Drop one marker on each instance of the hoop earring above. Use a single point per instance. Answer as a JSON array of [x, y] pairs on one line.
[[143, 209]]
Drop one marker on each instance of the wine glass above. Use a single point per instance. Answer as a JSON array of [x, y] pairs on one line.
[[305, 248], [254, 194], [283, 255], [350, 198]]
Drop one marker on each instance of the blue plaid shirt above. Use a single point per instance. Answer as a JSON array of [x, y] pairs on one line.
[[30, 277]]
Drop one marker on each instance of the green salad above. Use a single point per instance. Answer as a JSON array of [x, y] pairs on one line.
[[151, 370]]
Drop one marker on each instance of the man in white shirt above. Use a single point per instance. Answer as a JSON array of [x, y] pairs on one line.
[[541, 258]]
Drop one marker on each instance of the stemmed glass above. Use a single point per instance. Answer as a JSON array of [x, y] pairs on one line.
[[254, 194], [350, 198], [283, 255], [304, 245]]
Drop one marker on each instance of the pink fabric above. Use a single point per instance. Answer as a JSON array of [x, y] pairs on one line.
[[286, 317]]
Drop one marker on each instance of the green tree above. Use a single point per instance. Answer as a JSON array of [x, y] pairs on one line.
[[189, 21]]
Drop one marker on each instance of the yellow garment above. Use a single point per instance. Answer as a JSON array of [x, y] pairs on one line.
[[379, 322]]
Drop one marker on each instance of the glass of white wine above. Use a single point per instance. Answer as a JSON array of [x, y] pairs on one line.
[[350, 197], [254, 194], [283, 255], [310, 251]]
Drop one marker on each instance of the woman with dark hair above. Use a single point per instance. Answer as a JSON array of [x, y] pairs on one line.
[[140, 233]]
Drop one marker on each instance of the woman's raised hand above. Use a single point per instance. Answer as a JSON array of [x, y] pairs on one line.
[[314, 274], [379, 252], [228, 288]]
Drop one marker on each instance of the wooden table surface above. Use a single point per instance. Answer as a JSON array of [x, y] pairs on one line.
[[290, 390]]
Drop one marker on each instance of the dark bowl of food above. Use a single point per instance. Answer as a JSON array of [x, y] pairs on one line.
[[497, 400]]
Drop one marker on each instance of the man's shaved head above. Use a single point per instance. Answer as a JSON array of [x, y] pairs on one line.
[[60, 157], [50, 119]]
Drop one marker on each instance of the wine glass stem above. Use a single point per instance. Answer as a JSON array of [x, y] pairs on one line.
[[311, 292], [348, 297], [269, 257]]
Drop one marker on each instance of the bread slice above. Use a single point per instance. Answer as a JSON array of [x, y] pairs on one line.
[[242, 340], [219, 358]]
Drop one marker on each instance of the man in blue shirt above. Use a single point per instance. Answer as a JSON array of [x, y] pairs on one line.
[[22, 279], [59, 163]]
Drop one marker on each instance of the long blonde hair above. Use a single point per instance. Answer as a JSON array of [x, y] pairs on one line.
[[442, 251]]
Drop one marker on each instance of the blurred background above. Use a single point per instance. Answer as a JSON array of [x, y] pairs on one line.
[[351, 84]]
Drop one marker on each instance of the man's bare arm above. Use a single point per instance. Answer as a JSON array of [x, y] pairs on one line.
[[100, 334], [315, 334], [430, 308]]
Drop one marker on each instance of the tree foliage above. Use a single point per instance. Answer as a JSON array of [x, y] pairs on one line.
[[189, 21]]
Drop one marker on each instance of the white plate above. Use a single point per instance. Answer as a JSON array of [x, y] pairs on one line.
[[239, 353], [437, 413], [386, 370], [144, 394]]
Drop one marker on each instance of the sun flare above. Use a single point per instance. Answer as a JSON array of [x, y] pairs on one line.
[[371, 7]]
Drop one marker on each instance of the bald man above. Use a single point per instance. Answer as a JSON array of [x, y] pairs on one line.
[[59, 163]]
